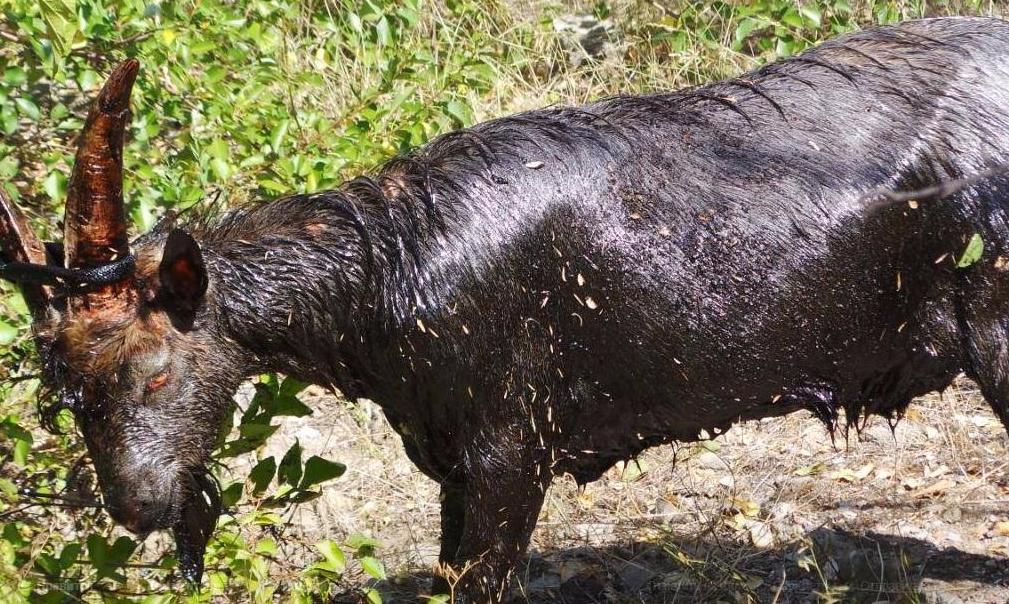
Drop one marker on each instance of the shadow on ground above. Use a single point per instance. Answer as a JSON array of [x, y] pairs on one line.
[[826, 565]]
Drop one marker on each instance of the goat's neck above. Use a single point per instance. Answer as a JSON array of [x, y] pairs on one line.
[[301, 292]]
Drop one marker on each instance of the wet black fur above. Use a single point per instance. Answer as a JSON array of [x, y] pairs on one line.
[[555, 291]]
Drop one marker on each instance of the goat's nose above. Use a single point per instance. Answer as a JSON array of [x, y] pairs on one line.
[[141, 508]]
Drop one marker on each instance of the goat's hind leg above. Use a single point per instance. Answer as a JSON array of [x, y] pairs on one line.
[[985, 325]]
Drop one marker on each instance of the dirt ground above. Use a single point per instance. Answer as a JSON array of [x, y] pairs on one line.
[[770, 512]]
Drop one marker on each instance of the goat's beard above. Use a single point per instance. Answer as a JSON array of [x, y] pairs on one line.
[[195, 525]]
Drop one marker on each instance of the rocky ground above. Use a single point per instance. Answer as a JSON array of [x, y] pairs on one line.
[[773, 511]]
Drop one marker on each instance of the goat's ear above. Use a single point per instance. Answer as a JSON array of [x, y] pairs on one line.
[[182, 272]]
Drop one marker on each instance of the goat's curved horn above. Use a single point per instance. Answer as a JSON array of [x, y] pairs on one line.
[[95, 223], [18, 243]]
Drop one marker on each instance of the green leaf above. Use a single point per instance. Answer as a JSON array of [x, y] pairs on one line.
[[373, 567], [231, 495], [362, 545], [783, 48], [69, 555], [47, 565], [812, 13], [221, 169], [55, 185], [373, 596], [257, 432], [21, 450], [252, 436], [286, 401], [290, 466], [273, 185], [459, 112], [267, 519], [60, 17], [14, 430], [16, 302], [262, 474], [97, 549], [8, 333], [382, 32], [792, 18], [278, 134], [58, 112], [8, 488], [28, 108], [972, 253], [319, 470], [121, 551], [218, 149], [291, 386], [266, 546], [335, 561], [215, 74], [15, 76], [12, 535], [288, 405], [89, 79], [9, 167], [744, 28]]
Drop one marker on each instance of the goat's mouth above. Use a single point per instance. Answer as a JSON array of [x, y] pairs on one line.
[[195, 524]]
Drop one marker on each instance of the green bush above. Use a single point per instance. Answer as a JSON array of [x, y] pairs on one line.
[[250, 100]]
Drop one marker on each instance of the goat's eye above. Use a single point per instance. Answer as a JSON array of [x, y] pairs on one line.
[[157, 382]]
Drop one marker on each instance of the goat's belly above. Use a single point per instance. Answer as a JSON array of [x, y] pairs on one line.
[[621, 418], [827, 337]]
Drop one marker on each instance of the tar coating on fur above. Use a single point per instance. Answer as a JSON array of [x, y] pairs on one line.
[[558, 290]]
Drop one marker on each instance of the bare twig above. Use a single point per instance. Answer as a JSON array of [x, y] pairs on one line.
[[885, 198]]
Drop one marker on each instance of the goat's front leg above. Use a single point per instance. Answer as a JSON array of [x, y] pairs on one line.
[[504, 493], [453, 518]]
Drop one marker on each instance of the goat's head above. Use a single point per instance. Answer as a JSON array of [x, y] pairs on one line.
[[125, 339]]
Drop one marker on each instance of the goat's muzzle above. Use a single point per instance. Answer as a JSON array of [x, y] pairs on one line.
[[151, 499], [144, 498]]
